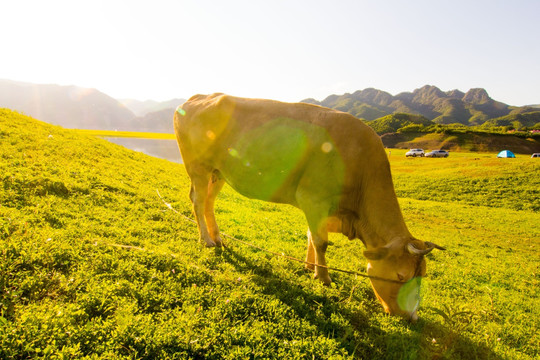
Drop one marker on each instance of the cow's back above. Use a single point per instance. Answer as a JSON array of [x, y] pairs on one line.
[[263, 148], [218, 114]]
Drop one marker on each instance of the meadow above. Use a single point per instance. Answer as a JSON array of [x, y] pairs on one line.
[[93, 265]]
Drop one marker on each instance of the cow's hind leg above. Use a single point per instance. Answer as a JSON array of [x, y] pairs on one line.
[[214, 187], [199, 194]]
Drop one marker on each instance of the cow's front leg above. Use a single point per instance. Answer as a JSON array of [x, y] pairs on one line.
[[199, 195], [316, 212], [310, 257], [319, 240], [317, 244]]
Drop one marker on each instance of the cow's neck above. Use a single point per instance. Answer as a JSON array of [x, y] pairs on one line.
[[380, 219], [375, 233]]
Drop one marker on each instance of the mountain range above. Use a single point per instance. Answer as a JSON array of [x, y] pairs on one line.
[[474, 107], [83, 108]]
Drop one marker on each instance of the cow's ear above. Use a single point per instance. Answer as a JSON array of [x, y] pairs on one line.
[[376, 254]]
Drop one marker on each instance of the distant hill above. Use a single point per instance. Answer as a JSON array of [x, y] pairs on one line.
[[394, 122], [141, 108], [466, 141], [68, 106], [517, 120], [157, 121], [153, 116], [474, 107], [408, 131], [400, 122], [83, 108]]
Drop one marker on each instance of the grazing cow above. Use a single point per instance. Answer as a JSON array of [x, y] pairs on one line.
[[327, 163]]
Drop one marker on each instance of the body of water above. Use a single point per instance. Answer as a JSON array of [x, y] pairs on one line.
[[164, 149]]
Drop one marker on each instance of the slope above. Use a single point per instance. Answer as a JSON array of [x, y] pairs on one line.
[[93, 265]]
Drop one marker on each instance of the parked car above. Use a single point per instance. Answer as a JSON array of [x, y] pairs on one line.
[[535, 155], [437, 153], [415, 152]]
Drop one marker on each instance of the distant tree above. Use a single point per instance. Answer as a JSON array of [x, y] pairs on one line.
[[394, 122], [412, 128]]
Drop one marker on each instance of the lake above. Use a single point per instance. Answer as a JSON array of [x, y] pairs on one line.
[[164, 149]]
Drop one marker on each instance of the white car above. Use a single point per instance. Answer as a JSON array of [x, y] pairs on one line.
[[414, 153], [535, 155], [437, 153]]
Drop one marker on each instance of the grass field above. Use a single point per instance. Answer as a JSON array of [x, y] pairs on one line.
[[469, 178], [93, 265]]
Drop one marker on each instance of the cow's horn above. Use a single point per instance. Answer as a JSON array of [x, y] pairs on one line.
[[434, 246], [430, 246]]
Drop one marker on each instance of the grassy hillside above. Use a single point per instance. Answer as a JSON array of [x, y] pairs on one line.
[[93, 265], [392, 123], [516, 120], [463, 141]]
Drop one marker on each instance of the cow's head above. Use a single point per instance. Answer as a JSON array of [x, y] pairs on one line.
[[396, 271]]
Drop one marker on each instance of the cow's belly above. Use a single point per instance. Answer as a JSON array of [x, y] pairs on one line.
[[266, 165], [263, 185], [270, 162]]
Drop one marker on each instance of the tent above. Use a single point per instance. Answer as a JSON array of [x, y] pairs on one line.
[[506, 154]]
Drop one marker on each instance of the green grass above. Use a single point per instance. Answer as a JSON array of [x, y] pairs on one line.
[[68, 291], [469, 178], [129, 134]]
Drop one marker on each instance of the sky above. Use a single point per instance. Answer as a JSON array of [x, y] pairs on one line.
[[286, 50]]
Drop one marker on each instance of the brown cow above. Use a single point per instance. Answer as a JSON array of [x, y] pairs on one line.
[[327, 163]]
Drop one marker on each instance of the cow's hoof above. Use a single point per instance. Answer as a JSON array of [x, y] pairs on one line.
[[219, 242], [324, 279], [208, 243]]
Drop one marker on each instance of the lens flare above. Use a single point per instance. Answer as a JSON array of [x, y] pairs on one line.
[[211, 135], [326, 147], [233, 152], [409, 295], [181, 111]]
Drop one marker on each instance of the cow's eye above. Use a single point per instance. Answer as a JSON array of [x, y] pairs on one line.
[[400, 277]]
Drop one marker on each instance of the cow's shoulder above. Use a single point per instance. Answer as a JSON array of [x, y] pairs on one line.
[[203, 97], [207, 106], [203, 101]]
